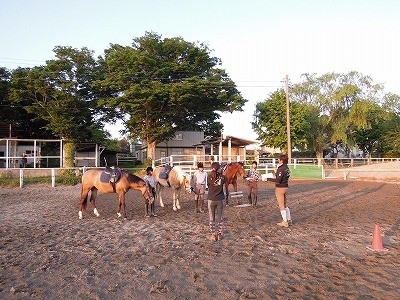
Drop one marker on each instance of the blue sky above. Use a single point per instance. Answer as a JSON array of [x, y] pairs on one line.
[[259, 42]]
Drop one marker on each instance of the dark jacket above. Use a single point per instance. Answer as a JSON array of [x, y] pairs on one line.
[[216, 188], [281, 176]]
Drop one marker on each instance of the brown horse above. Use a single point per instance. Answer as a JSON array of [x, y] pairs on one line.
[[230, 172], [177, 179], [91, 182]]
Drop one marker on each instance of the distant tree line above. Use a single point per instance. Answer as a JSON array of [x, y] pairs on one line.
[[330, 111]]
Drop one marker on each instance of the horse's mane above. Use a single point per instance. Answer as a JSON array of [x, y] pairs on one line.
[[179, 171], [132, 178]]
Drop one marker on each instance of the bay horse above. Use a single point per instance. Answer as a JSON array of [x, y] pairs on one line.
[[230, 172], [91, 182], [177, 179]]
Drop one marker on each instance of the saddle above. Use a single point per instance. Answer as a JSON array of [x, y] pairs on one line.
[[111, 175], [164, 173]]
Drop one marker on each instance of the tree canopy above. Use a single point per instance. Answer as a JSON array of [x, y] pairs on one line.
[[59, 93], [336, 109], [165, 85], [270, 121]]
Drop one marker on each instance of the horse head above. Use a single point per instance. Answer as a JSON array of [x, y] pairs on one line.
[[241, 170], [186, 183], [148, 195], [138, 183]]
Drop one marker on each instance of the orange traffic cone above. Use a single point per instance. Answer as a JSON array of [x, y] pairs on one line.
[[377, 240]]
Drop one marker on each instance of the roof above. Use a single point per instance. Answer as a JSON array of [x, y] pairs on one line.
[[235, 142]]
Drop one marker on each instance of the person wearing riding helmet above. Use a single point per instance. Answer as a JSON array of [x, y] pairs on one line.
[[216, 199], [281, 180], [199, 185]]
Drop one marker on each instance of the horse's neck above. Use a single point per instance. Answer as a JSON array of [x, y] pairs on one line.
[[233, 170]]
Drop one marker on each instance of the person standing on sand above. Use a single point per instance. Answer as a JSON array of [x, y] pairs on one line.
[[24, 160], [150, 180], [281, 187], [252, 184], [199, 186], [216, 198]]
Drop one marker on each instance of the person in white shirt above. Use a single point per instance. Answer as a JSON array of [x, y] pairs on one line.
[[199, 185]]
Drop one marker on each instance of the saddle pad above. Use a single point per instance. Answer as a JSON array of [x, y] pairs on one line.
[[106, 177], [164, 174]]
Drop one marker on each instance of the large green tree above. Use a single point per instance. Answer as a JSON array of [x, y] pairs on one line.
[[342, 101], [161, 86], [24, 123], [270, 121], [60, 94], [382, 136]]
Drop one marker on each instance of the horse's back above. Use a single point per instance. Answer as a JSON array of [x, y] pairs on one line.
[[175, 176], [91, 178]]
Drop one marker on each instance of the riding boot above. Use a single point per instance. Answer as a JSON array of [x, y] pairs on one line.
[[255, 202], [250, 201], [201, 205], [196, 202]]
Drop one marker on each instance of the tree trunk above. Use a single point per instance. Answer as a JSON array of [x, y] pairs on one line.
[[151, 150], [69, 154]]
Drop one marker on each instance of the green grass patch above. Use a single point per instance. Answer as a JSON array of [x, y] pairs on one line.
[[62, 180], [306, 171]]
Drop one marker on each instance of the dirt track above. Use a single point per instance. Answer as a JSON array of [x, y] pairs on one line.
[[47, 253]]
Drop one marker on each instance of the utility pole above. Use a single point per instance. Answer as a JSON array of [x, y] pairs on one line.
[[289, 145]]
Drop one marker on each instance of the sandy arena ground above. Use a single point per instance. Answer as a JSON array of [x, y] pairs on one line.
[[46, 252]]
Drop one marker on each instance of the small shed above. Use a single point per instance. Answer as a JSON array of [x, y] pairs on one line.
[[228, 148]]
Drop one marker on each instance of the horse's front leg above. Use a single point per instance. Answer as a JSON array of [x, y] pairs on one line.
[[227, 193], [174, 201], [177, 194], [121, 204], [234, 185]]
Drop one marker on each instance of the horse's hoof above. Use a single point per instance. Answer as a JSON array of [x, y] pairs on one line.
[[162, 205], [178, 207], [174, 208], [96, 213], [119, 215], [80, 214]]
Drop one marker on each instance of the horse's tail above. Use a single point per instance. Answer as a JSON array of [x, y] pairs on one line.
[[84, 202]]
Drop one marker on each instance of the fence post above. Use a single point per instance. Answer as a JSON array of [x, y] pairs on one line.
[[194, 161], [319, 161], [53, 177], [21, 178]]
